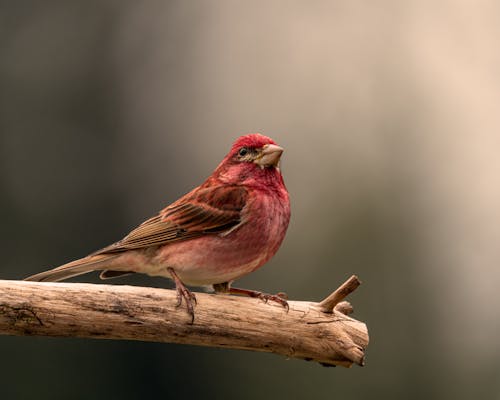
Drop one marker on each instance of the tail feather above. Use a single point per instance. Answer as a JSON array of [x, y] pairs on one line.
[[74, 268]]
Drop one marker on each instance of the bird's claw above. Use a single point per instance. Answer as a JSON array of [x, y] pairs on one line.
[[279, 298], [189, 297], [183, 293]]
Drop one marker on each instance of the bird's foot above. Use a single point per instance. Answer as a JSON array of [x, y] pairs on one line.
[[183, 293], [280, 298]]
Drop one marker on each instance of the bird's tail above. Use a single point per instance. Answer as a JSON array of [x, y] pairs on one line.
[[74, 268]]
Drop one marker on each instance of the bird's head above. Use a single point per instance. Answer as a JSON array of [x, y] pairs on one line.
[[258, 149], [252, 157]]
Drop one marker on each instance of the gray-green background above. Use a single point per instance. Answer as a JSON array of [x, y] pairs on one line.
[[389, 112]]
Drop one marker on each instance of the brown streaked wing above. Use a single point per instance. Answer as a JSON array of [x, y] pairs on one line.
[[203, 211]]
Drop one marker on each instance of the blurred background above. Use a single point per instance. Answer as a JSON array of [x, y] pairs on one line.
[[389, 113]]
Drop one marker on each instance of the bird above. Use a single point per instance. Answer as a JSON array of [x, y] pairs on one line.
[[226, 228]]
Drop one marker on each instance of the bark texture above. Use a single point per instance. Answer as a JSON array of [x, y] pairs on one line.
[[321, 332]]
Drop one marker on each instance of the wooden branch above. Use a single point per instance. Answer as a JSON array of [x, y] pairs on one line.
[[150, 314], [349, 286]]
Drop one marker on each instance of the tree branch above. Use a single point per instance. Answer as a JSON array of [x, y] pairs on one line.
[[313, 331], [331, 302]]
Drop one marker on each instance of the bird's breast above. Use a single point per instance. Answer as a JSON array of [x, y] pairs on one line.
[[217, 258]]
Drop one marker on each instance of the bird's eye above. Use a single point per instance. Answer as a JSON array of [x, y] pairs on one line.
[[243, 152]]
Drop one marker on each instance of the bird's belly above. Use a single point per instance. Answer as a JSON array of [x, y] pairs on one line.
[[213, 259], [221, 258]]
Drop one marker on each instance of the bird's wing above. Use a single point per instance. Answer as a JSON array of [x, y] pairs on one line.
[[206, 210]]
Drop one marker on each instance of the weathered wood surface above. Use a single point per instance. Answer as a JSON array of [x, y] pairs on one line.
[[313, 331]]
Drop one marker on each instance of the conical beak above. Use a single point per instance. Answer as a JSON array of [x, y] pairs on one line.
[[269, 156]]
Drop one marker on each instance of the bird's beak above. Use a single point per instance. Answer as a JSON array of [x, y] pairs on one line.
[[269, 156]]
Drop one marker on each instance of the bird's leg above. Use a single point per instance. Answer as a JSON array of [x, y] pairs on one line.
[[265, 297], [183, 293], [225, 288]]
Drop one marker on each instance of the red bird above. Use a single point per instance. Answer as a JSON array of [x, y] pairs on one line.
[[220, 231]]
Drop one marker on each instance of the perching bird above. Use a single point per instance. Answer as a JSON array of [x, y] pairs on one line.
[[220, 231]]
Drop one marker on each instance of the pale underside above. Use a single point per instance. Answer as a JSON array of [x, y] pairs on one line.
[[219, 257]]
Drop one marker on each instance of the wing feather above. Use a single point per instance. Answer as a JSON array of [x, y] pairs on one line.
[[206, 210]]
